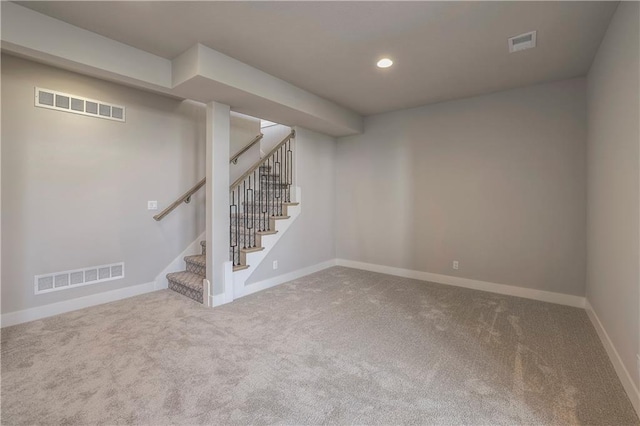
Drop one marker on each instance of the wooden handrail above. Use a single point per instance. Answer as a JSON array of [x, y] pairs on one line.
[[260, 162], [255, 140], [185, 198]]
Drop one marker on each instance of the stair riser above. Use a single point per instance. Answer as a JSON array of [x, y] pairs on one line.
[[259, 225], [196, 269], [257, 221], [186, 291], [274, 179], [273, 193], [258, 213], [248, 242], [270, 210]]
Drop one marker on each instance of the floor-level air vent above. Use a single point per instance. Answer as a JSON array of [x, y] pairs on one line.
[[522, 42], [51, 99], [69, 279]]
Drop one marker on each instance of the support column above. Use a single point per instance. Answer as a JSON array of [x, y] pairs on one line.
[[217, 197]]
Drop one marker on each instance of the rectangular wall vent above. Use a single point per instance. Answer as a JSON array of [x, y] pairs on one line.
[[47, 283], [59, 101], [522, 42]]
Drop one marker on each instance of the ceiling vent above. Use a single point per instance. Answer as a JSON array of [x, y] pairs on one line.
[[59, 101], [522, 42]]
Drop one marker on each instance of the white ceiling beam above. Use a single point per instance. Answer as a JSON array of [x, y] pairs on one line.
[[201, 73]]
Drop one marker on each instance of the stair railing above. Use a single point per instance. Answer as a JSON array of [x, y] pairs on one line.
[[255, 140], [259, 194], [186, 197]]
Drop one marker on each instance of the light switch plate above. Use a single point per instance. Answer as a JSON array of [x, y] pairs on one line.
[[152, 205]]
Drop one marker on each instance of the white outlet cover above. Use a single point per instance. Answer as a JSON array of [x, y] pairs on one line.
[[275, 264], [152, 205]]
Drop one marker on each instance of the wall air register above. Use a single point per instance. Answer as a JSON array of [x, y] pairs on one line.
[[47, 283], [51, 99], [522, 42]]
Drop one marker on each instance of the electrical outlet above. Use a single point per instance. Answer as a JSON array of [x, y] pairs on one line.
[[275, 264], [455, 264], [152, 205]]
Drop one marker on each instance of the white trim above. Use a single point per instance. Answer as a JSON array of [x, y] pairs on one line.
[[220, 299], [206, 296], [623, 374], [280, 279], [527, 293], [39, 312], [177, 264], [228, 282], [268, 242]]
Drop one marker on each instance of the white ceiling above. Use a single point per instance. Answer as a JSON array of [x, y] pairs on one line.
[[441, 50]]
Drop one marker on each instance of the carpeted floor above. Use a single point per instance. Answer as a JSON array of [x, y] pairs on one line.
[[341, 346]]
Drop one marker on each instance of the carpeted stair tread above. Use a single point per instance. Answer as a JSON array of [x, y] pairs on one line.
[[197, 264], [198, 259], [187, 279], [188, 284]]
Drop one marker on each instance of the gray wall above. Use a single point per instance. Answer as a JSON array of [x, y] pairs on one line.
[[496, 182], [75, 188], [243, 130], [613, 272], [310, 239], [273, 135]]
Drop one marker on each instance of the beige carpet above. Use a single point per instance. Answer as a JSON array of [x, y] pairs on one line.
[[340, 347]]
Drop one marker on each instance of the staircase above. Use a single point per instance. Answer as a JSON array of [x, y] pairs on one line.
[[189, 282], [258, 200]]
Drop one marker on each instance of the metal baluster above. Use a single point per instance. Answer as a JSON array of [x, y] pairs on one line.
[[261, 221], [290, 169], [249, 221], [244, 210], [278, 189], [233, 246], [280, 182], [267, 199], [238, 227], [253, 211], [273, 189]]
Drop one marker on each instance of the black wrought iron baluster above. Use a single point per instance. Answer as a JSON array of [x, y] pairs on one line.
[[244, 216], [271, 187], [232, 207], [238, 228], [277, 188], [290, 169], [253, 211], [280, 182], [260, 196]]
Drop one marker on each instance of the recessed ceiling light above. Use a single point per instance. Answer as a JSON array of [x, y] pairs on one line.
[[385, 63]]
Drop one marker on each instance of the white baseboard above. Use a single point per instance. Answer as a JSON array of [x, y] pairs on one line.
[[527, 293], [280, 279], [177, 264], [32, 314], [221, 299], [621, 370]]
